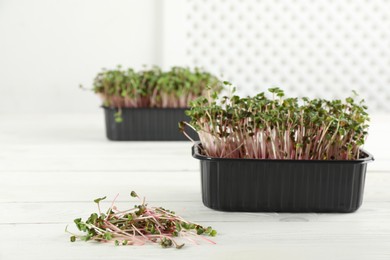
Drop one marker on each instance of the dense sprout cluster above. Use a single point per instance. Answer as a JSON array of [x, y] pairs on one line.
[[153, 87], [279, 128], [140, 225]]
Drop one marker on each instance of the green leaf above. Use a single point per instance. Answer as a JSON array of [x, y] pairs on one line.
[[107, 235], [199, 231], [178, 226], [118, 119], [227, 83], [86, 237], [99, 199], [208, 230], [92, 219]]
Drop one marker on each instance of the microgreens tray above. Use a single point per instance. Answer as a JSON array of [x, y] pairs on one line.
[[270, 185]]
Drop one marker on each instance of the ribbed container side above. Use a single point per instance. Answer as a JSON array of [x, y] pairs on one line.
[[282, 186], [146, 124]]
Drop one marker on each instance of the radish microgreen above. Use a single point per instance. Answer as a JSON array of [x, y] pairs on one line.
[[175, 88], [139, 225], [258, 127]]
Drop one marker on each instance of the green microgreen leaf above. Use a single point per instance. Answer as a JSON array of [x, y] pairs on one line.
[[98, 200], [107, 236]]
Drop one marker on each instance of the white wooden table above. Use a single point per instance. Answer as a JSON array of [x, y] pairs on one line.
[[52, 167]]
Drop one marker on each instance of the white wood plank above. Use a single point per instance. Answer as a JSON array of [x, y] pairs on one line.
[[82, 186], [101, 163], [162, 186], [241, 240], [79, 158], [78, 142], [52, 167], [65, 212], [126, 156], [46, 129], [100, 156]]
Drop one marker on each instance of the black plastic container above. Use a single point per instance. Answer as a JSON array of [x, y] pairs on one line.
[[258, 185], [146, 124]]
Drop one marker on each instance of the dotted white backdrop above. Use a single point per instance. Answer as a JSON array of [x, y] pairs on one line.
[[315, 48]]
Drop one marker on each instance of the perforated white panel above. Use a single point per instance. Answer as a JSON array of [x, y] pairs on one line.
[[323, 48]]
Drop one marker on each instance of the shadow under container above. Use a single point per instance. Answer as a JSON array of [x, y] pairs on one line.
[[265, 185], [146, 124]]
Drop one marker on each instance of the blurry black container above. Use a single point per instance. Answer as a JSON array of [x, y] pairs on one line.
[[262, 185], [146, 124]]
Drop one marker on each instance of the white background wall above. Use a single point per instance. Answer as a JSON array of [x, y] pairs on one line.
[[47, 48], [315, 48], [321, 48]]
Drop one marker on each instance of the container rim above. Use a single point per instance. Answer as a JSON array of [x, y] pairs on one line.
[[197, 155], [146, 108]]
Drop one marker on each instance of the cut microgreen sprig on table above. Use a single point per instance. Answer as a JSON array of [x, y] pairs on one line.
[[140, 225], [259, 127]]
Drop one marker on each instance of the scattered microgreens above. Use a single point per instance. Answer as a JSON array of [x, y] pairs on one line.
[[279, 128], [153, 87], [139, 225]]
